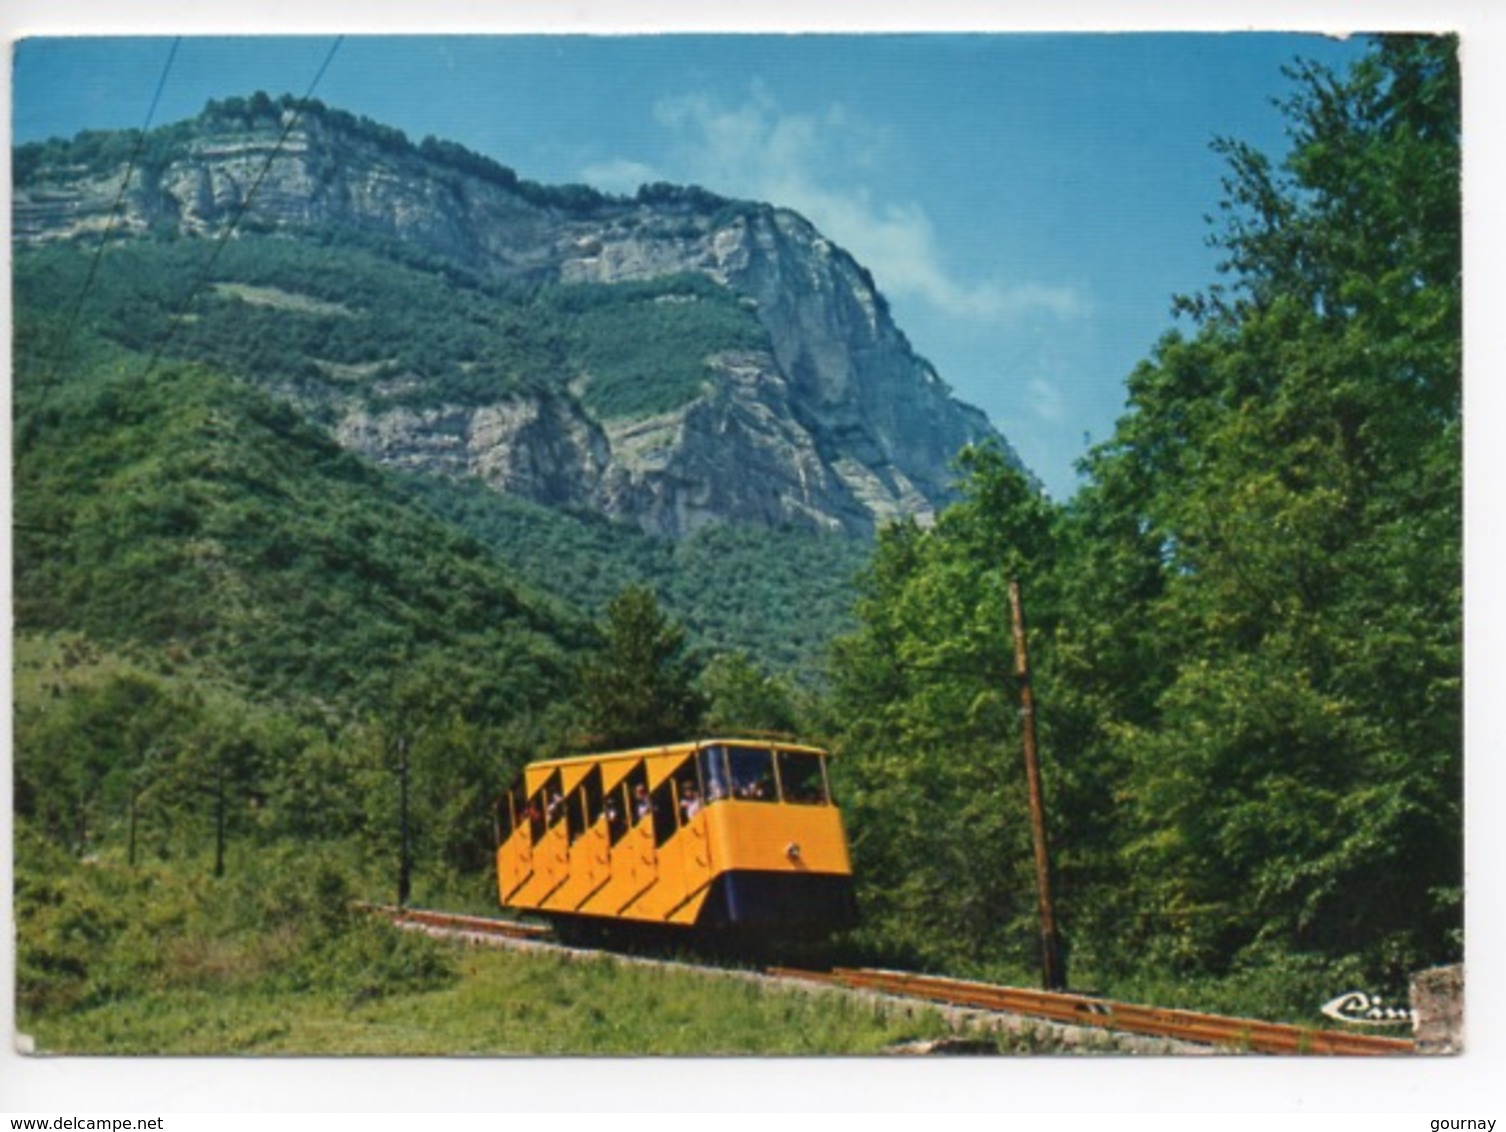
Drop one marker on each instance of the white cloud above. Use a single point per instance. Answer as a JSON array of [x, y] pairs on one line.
[[757, 150], [1045, 401]]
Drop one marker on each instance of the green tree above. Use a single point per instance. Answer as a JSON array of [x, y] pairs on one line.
[[927, 723], [1297, 786], [1246, 627], [639, 687], [742, 697], [82, 760]]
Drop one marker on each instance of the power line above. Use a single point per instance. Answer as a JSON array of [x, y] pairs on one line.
[[115, 209], [288, 126], [28, 435]]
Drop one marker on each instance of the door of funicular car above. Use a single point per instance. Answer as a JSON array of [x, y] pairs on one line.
[[681, 843], [582, 806], [635, 858], [694, 788], [551, 849], [514, 843]]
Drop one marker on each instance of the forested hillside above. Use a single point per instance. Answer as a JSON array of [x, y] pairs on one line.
[[781, 596], [336, 318], [184, 513], [323, 326]]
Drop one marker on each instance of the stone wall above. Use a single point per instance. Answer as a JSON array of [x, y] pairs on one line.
[[1438, 1010]]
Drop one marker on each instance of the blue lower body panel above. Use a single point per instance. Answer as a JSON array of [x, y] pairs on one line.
[[819, 901]]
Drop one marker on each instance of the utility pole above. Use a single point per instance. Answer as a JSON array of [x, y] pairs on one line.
[[405, 858], [219, 811], [137, 776], [1053, 963], [131, 821]]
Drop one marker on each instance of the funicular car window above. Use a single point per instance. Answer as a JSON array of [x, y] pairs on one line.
[[519, 797], [665, 825], [616, 809], [503, 820], [801, 779], [575, 814], [591, 788], [752, 774], [639, 805], [551, 801], [615, 805], [536, 824], [583, 806], [512, 810], [688, 792], [714, 785]]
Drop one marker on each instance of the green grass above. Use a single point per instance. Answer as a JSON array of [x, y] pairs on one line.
[[162, 959], [502, 1003]]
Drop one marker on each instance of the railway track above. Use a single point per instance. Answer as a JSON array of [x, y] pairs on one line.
[[461, 925], [1235, 1034], [1244, 1035]]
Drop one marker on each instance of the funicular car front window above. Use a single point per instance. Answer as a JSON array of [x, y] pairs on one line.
[[714, 773], [752, 774], [802, 779], [688, 792]]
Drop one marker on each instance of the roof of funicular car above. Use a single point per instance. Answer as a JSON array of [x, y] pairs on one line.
[[677, 749]]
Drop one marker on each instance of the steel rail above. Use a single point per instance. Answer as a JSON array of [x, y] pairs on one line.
[[454, 921], [1243, 1034], [1235, 1034]]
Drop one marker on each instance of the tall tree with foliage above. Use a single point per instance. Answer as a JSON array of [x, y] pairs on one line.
[[926, 717], [742, 697], [639, 687], [1297, 461]]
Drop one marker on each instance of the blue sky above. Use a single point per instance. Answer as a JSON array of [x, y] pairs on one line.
[[1029, 203]]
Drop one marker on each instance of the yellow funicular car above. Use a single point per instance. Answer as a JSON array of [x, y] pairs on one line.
[[718, 835]]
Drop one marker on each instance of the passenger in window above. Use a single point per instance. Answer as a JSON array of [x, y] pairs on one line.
[[642, 806], [556, 806], [690, 802]]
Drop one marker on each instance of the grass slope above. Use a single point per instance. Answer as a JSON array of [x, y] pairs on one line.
[[272, 959]]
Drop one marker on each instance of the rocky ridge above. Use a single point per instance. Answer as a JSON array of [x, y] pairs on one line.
[[838, 424]]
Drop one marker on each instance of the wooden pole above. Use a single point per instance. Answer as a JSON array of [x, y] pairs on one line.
[[219, 813], [1053, 967], [405, 856], [131, 824]]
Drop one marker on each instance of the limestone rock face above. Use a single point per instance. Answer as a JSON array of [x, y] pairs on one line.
[[838, 424], [543, 449]]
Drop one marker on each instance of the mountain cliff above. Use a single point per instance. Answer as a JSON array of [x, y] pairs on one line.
[[672, 359]]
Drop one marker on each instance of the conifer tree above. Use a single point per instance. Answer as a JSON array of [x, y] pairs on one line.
[[639, 687]]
